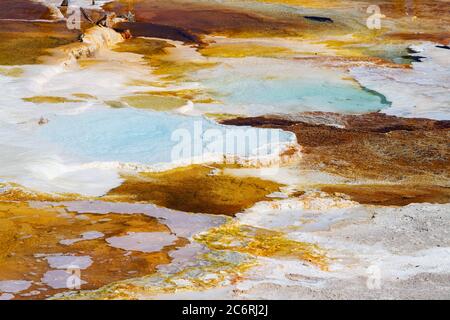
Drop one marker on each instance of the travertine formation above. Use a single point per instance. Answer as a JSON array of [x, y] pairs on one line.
[[116, 165]]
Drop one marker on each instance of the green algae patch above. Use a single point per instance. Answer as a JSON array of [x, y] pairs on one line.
[[261, 242], [11, 72], [50, 99], [221, 116], [154, 102], [156, 55], [25, 43], [88, 62], [115, 104], [364, 46], [195, 188], [214, 269], [142, 46], [26, 50], [146, 83], [242, 50], [194, 95], [178, 70], [84, 96]]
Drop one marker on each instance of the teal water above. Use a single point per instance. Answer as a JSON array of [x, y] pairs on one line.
[[291, 95], [258, 86], [147, 137], [298, 95]]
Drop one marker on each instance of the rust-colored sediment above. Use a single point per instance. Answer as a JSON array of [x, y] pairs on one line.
[[204, 18], [391, 195], [415, 20], [152, 30], [370, 146], [23, 9], [195, 188], [19, 193], [27, 231]]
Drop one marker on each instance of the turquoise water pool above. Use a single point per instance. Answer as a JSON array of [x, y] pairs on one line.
[[276, 86], [290, 95], [136, 136]]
